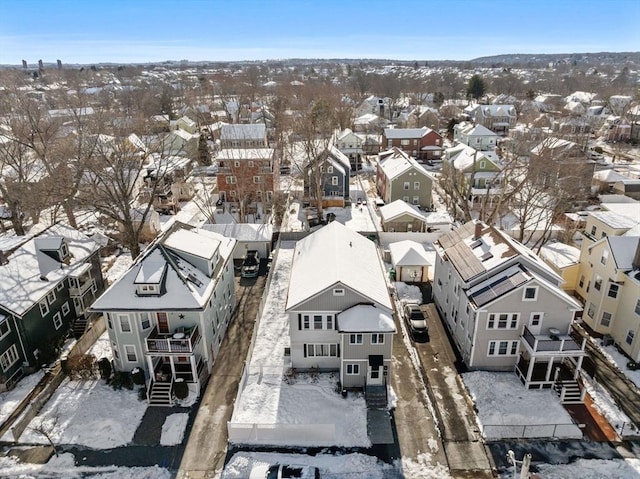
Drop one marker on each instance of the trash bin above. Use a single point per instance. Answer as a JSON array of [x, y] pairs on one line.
[[392, 274]]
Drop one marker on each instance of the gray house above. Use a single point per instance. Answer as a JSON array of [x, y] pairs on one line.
[[334, 169], [505, 308], [339, 308], [170, 311]]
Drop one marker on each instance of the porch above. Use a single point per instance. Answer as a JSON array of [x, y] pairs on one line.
[[168, 369], [181, 341]]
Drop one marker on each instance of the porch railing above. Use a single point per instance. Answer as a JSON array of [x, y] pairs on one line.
[[177, 342], [543, 343]]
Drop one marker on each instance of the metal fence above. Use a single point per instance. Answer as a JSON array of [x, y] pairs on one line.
[[529, 431]]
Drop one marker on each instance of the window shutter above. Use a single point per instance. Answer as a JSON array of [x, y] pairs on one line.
[[338, 349], [299, 322], [335, 322], [304, 350]]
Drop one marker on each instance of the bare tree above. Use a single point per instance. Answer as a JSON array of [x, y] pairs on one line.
[[46, 428]]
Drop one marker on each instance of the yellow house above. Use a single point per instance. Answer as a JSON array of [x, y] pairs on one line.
[[565, 261]]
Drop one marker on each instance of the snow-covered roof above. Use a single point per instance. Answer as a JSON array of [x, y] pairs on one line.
[[398, 208], [246, 232], [193, 243], [609, 176], [623, 249], [255, 131], [462, 157], [334, 255], [560, 254], [365, 318], [408, 253], [615, 220], [245, 154], [403, 133], [396, 162], [183, 285], [20, 278]]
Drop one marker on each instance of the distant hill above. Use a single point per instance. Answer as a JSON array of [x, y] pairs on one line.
[[543, 59]]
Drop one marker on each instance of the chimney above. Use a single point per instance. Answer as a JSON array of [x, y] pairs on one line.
[[636, 257], [478, 230]]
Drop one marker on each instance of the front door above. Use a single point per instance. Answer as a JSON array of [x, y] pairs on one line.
[[163, 322], [374, 376]]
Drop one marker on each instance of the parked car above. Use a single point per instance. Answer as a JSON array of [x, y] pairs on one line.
[[250, 265], [283, 471], [414, 317]]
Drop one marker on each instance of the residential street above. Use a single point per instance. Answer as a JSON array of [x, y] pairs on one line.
[[206, 448]]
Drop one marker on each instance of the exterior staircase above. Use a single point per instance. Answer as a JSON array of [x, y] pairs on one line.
[[376, 397], [160, 394], [79, 326], [569, 392]]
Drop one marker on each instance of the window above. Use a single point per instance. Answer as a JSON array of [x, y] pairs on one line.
[[322, 350], [503, 348], [64, 250], [405, 199], [306, 323], [355, 338], [416, 185], [591, 310], [593, 230], [236, 164], [59, 286], [377, 339], [51, 297], [125, 326], [613, 290], [66, 308], [4, 327], [406, 185], [503, 321], [606, 319], [44, 308], [9, 358], [317, 322], [405, 142], [130, 353], [251, 164], [581, 282], [630, 335], [353, 369], [334, 180], [603, 258], [329, 169], [57, 320], [530, 294], [257, 179], [338, 292], [231, 180], [483, 164], [145, 321], [416, 200], [536, 319], [329, 322], [598, 283]]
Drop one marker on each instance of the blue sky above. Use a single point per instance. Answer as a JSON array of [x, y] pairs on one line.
[[93, 31]]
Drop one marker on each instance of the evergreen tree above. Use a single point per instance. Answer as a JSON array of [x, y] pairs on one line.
[[204, 157], [476, 87]]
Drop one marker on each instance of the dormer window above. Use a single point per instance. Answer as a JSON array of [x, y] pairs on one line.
[[64, 250], [148, 289]]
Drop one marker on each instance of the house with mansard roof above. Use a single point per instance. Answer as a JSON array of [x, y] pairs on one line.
[[505, 308], [169, 313], [340, 312]]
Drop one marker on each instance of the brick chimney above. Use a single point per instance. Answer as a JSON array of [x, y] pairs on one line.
[[636, 257], [478, 230]]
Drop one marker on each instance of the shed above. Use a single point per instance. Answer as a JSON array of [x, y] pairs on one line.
[[410, 261]]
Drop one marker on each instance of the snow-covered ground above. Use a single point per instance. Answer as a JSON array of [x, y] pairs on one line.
[[592, 469], [9, 400], [63, 467], [267, 399], [408, 293], [505, 407], [620, 360], [173, 429]]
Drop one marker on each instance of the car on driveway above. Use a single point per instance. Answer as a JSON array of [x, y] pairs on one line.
[[250, 265], [283, 471], [415, 319]]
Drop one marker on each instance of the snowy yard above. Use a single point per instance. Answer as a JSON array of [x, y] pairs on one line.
[[507, 410], [267, 399]]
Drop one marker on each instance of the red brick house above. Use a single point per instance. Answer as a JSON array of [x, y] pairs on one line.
[[424, 144], [247, 174]]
